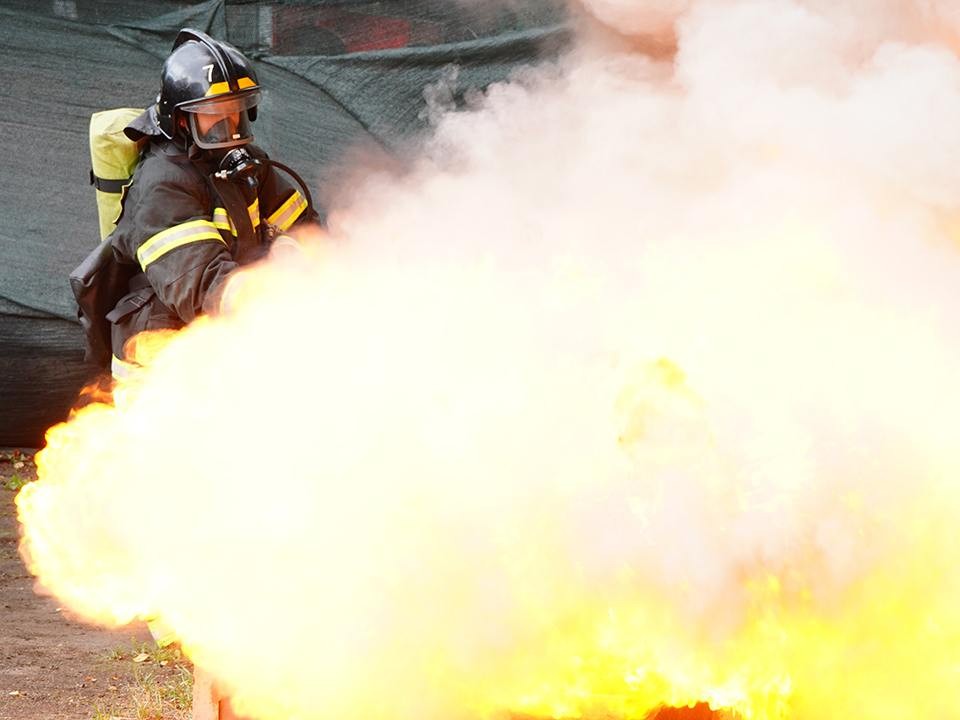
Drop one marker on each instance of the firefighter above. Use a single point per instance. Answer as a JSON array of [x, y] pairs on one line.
[[204, 200]]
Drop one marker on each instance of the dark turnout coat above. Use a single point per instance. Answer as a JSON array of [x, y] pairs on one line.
[[187, 231]]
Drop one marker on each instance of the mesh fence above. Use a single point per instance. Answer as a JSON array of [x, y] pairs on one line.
[[338, 75]]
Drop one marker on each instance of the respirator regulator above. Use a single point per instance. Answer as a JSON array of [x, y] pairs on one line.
[[238, 165]]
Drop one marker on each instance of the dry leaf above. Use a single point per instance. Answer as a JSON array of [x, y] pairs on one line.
[[142, 657]]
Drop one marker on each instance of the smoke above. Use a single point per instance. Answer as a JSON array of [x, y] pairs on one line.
[[653, 18], [639, 388]]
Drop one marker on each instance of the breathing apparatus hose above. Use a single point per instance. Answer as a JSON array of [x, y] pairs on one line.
[[292, 173], [239, 165]]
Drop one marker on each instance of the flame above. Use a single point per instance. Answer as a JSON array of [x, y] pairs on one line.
[[583, 624], [674, 425]]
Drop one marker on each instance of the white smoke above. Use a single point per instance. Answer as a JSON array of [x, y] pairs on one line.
[[630, 17], [630, 329]]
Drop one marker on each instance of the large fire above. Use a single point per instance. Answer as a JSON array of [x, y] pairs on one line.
[[640, 390]]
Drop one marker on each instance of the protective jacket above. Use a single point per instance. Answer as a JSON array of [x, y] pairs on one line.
[[186, 231]]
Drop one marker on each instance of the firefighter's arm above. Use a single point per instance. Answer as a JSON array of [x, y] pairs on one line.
[[282, 204], [181, 250]]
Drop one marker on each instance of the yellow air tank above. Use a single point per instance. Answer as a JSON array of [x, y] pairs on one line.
[[113, 158]]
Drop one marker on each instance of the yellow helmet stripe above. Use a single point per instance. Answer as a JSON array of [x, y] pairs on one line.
[[220, 88]]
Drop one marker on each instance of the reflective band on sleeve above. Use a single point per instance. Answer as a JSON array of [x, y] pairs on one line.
[[172, 238], [122, 370], [287, 213], [222, 221], [163, 634], [254, 212]]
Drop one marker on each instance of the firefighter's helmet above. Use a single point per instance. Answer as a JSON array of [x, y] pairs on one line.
[[208, 93]]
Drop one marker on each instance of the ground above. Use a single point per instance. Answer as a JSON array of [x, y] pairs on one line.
[[53, 667]]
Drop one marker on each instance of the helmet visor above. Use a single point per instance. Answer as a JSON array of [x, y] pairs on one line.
[[221, 122]]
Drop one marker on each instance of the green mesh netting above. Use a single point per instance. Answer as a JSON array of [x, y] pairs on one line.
[[338, 75]]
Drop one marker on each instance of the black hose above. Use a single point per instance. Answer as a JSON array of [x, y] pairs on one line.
[[292, 173]]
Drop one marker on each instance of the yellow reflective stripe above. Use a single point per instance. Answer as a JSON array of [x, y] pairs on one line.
[[122, 370], [166, 240], [162, 633], [287, 213], [219, 88], [222, 221]]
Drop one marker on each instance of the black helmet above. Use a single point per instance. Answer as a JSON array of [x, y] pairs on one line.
[[204, 79]]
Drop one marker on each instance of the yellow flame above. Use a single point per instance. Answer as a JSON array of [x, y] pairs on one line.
[[621, 644]]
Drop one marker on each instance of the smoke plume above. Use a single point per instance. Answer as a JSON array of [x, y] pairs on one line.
[[639, 388]]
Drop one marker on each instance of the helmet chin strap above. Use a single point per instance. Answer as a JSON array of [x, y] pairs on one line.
[[183, 139], [194, 151]]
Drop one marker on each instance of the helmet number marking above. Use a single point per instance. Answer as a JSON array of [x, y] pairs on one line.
[[209, 69]]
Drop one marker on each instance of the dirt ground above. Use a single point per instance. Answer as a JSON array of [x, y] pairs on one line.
[[53, 667]]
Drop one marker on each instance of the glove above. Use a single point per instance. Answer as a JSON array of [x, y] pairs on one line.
[[285, 248]]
